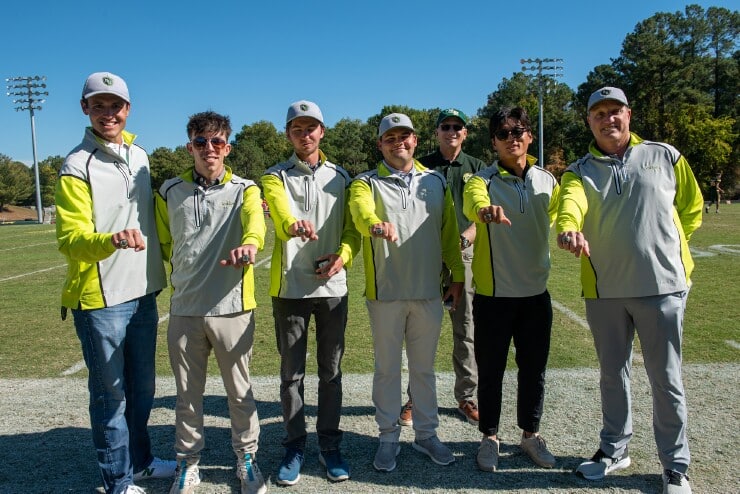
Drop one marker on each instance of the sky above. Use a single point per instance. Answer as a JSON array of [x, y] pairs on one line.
[[251, 60]]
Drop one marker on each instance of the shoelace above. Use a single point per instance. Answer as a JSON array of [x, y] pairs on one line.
[[246, 470], [675, 478]]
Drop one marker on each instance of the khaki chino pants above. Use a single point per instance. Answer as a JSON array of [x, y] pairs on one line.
[[190, 340]]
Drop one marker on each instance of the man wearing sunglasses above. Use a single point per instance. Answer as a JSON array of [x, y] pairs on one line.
[[513, 204], [407, 218], [457, 167], [211, 225], [105, 222], [315, 243], [628, 209]]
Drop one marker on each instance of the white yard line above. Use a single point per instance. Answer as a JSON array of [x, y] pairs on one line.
[[32, 272], [575, 317], [734, 344], [26, 246]]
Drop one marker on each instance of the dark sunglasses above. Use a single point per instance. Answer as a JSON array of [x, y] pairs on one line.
[[201, 142], [446, 127], [503, 134]]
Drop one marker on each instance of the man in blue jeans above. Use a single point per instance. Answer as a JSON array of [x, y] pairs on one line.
[[105, 221]]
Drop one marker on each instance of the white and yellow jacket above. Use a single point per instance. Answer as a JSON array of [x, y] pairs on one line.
[[101, 191], [198, 227], [512, 261], [426, 224], [637, 215], [293, 191]]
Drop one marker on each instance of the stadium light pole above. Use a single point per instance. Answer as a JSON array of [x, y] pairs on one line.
[[26, 89], [542, 70]]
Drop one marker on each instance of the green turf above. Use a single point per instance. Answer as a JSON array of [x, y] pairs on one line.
[[34, 342]]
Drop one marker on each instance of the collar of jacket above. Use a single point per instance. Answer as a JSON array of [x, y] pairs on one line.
[[303, 164], [384, 170], [503, 171], [598, 153], [189, 175]]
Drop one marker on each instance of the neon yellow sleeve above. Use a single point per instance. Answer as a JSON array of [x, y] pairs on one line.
[[688, 201], [76, 235], [277, 200], [475, 196], [253, 218], [573, 204], [362, 207], [351, 238]]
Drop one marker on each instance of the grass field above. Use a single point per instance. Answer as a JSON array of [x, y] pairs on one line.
[[35, 343]]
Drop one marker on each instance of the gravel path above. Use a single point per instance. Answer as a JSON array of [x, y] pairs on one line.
[[46, 444]]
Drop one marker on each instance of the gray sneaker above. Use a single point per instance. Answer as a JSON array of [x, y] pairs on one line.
[[249, 475], [385, 457], [488, 454], [675, 483], [434, 449], [600, 465], [536, 448]]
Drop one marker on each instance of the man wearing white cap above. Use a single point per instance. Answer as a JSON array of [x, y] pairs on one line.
[[315, 243], [406, 216], [628, 208], [105, 222]]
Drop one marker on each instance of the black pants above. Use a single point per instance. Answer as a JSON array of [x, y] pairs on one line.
[[529, 321]]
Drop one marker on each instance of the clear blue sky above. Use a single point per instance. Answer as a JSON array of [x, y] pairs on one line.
[[250, 60]]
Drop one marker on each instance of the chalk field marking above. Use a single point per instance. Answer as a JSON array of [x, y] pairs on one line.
[[572, 315], [28, 233], [81, 364], [734, 344], [26, 246], [32, 272]]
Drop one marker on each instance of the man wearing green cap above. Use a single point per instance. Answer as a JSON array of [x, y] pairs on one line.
[[457, 167]]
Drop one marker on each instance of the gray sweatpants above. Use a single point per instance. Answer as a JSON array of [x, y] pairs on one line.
[[658, 321]]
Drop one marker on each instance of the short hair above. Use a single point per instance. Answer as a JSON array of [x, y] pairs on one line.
[[505, 114], [209, 122]]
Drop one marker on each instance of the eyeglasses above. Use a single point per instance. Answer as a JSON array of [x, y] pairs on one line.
[[503, 134], [446, 127], [201, 142]]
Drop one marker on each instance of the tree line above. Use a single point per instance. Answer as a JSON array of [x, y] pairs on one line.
[[680, 71]]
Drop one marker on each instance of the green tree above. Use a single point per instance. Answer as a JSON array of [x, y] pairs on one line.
[[344, 145], [16, 182], [165, 163], [257, 147], [48, 173], [705, 141]]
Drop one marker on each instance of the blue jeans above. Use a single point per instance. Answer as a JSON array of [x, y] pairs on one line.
[[118, 344]]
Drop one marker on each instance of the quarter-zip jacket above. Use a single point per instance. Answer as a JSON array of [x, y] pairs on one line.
[[198, 227], [100, 192], [424, 216], [294, 191], [637, 214], [512, 261]]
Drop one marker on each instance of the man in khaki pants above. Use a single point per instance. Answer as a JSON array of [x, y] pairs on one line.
[[210, 226]]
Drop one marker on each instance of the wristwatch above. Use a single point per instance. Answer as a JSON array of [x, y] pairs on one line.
[[464, 242]]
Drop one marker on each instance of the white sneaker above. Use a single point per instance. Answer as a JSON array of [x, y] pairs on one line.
[[187, 478], [600, 465], [134, 489], [157, 469]]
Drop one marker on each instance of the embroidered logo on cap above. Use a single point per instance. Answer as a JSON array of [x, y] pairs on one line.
[[395, 119], [605, 92], [304, 107], [107, 81]]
